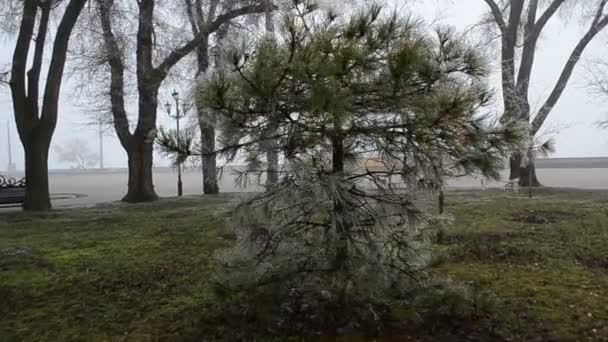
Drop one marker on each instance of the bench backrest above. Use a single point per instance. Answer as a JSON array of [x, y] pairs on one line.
[[12, 191]]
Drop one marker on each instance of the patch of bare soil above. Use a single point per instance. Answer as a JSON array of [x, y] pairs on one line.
[[541, 216]]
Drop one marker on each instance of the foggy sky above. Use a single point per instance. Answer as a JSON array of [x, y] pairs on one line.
[[575, 115]]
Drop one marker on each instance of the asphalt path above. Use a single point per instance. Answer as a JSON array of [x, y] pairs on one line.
[[93, 188], [77, 189]]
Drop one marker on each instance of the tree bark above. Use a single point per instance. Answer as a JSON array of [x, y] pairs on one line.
[[140, 147], [272, 154], [206, 122], [340, 214], [37, 194], [141, 185], [525, 175], [514, 166], [210, 185], [528, 176]]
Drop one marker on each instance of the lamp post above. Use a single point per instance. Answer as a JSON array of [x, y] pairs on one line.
[[11, 167], [101, 142], [177, 117]]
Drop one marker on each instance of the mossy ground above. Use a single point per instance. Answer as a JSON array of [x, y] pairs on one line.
[[141, 272]]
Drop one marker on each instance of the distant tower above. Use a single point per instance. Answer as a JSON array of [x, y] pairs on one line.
[[11, 166]]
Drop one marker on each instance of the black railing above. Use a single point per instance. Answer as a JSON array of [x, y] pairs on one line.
[[9, 182]]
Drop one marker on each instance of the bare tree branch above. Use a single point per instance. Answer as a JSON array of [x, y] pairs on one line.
[[176, 55], [497, 14], [564, 78]]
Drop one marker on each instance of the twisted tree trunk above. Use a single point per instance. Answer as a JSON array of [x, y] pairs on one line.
[[35, 122]]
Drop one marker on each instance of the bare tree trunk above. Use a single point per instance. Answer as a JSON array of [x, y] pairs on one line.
[[206, 122], [37, 194], [141, 185], [210, 185], [514, 166], [272, 154], [36, 124], [140, 147], [139, 144], [526, 175], [441, 202]]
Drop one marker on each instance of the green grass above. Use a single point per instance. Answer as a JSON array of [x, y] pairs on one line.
[[140, 272]]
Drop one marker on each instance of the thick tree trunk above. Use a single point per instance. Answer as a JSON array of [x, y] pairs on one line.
[[37, 194], [206, 123], [526, 175], [141, 185], [514, 166], [209, 165]]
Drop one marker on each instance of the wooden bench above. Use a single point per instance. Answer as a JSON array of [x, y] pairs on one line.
[[12, 191]]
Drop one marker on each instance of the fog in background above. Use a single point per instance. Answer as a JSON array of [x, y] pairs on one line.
[[575, 116]]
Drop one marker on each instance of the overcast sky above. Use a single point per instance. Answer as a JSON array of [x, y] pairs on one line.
[[575, 116]]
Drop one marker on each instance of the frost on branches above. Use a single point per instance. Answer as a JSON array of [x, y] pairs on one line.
[[353, 105]]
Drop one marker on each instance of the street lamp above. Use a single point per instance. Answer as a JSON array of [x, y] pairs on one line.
[[177, 116], [11, 167]]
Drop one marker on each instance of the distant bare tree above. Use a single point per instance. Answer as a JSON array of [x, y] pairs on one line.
[[520, 24], [598, 84], [153, 61], [77, 154], [200, 14]]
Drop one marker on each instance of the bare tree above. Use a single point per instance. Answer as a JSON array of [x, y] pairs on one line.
[[153, 64], [200, 13], [36, 121], [598, 84], [77, 153], [521, 23]]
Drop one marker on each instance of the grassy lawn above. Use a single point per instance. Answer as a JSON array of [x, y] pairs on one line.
[[140, 273]]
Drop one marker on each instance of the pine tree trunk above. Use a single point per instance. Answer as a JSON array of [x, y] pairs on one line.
[[209, 166], [37, 194], [273, 165], [141, 185], [340, 213]]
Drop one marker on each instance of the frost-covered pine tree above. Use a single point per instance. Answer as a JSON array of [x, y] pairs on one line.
[[353, 103]]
